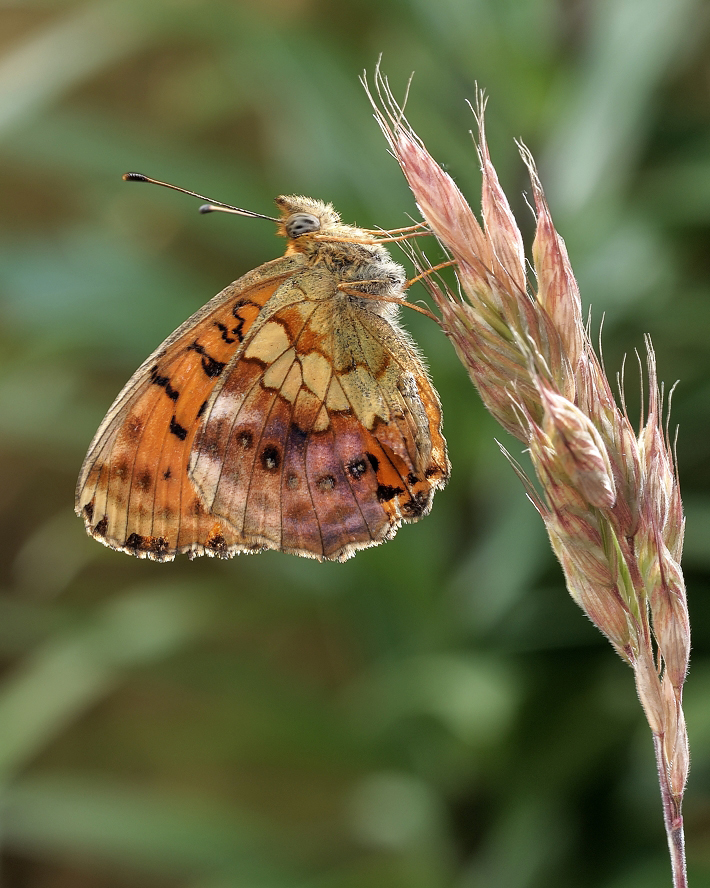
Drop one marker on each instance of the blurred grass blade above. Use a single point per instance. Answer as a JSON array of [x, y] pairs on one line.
[[57, 682], [67, 51], [52, 557], [490, 583], [597, 141], [112, 823]]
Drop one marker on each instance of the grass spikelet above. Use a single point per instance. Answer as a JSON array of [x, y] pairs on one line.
[[610, 495]]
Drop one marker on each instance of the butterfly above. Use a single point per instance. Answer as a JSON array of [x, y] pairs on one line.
[[291, 412]]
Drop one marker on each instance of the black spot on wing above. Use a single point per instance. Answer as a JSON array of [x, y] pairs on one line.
[[223, 329], [385, 492], [157, 545], [270, 458], [164, 382], [210, 365], [373, 460], [133, 428], [246, 439], [134, 541], [297, 437], [417, 506], [122, 469], [144, 481], [101, 527], [177, 429], [218, 545], [356, 468], [89, 510], [238, 331], [326, 483]]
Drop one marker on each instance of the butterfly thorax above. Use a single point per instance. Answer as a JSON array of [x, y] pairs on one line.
[[362, 270]]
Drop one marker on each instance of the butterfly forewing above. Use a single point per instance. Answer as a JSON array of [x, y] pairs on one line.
[[133, 491]]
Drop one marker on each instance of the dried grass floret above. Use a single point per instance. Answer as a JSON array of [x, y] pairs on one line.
[[610, 496]]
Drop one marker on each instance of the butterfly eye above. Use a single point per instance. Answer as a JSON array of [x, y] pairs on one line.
[[301, 223]]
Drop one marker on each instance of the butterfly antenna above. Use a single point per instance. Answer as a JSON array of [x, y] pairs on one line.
[[211, 205]]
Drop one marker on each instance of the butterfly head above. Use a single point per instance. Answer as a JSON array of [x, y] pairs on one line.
[[303, 217]]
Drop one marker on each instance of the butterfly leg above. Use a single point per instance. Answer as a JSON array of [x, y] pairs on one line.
[[353, 289]]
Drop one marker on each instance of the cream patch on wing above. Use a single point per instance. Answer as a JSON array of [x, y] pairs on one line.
[[322, 420], [317, 371], [277, 372], [335, 399], [269, 343], [292, 384], [224, 408]]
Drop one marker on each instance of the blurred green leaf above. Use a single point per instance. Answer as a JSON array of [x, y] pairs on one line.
[[474, 699], [116, 824], [67, 51], [59, 680], [632, 42]]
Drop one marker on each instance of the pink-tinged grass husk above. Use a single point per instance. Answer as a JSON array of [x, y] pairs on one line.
[[609, 496]]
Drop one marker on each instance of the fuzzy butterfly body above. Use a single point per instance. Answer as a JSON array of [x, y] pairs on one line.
[[291, 412]]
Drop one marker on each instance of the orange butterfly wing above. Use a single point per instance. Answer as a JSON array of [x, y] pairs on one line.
[[133, 491]]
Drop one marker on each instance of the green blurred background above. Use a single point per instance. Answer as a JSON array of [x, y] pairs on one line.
[[436, 711]]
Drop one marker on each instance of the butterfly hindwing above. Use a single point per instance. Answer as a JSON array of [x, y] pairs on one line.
[[312, 440]]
